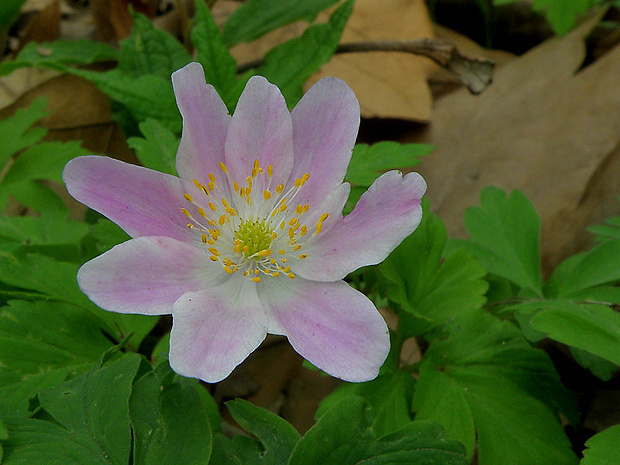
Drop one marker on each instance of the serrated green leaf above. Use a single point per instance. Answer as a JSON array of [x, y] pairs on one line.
[[107, 234], [60, 52], [224, 451], [389, 395], [428, 286], [486, 376], [145, 96], [344, 436], [91, 420], [36, 195], [595, 328], [257, 17], [16, 133], [602, 448], [505, 237], [288, 65], [51, 228], [219, 65], [368, 162], [150, 51], [33, 355], [561, 14], [158, 149], [170, 423], [276, 435], [43, 161]]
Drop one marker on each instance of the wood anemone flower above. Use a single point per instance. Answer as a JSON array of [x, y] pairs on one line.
[[250, 238]]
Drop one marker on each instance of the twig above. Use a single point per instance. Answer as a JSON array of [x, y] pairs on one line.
[[473, 72]]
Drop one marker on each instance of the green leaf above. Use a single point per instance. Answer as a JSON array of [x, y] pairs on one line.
[[425, 284], [368, 162], [486, 381], [158, 149], [505, 237], [107, 234], [60, 53], [389, 395], [9, 12], [43, 161], [276, 435], [288, 65], [344, 436], [150, 51], [15, 132], [91, 421], [596, 267], [36, 195], [594, 328], [170, 423], [257, 17], [144, 96], [602, 448], [49, 229], [219, 65], [33, 355], [561, 14]]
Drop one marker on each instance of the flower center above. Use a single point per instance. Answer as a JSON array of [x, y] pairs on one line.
[[253, 228], [254, 236]]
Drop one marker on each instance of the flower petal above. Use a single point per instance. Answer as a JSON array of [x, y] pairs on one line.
[[335, 327], [141, 201], [261, 129], [205, 125], [147, 275], [215, 329], [385, 215], [325, 124]]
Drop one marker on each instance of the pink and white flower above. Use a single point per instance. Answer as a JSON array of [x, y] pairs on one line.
[[250, 238]]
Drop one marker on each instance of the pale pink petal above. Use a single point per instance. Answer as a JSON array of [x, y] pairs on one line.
[[141, 201], [147, 275], [260, 129], [325, 124], [215, 329], [385, 215], [205, 124], [332, 325]]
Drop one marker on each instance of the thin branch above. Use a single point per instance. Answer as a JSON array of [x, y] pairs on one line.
[[474, 72]]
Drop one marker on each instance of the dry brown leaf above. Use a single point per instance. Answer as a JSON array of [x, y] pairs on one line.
[[540, 128], [387, 84], [44, 25]]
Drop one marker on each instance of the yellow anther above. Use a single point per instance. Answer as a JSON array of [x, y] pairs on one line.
[[254, 173], [197, 184], [214, 251], [225, 203], [293, 221], [269, 171], [305, 208], [274, 235], [282, 224], [186, 213], [256, 279], [223, 168], [281, 251], [323, 217], [205, 238], [284, 260], [236, 186], [211, 242], [291, 233], [303, 230], [249, 181], [211, 185], [287, 269], [305, 178], [211, 177], [190, 225], [228, 269], [188, 197], [266, 194], [280, 188], [201, 212], [237, 248], [211, 222], [213, 258], [242, 192], [223, 219], [297, 247], [303, 255], [291, 275], [275, 274], [264, 253], [298, 182], [212, 206], [245, 248], [319, 226], [283, 207], [298, 209], [273, 261]]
